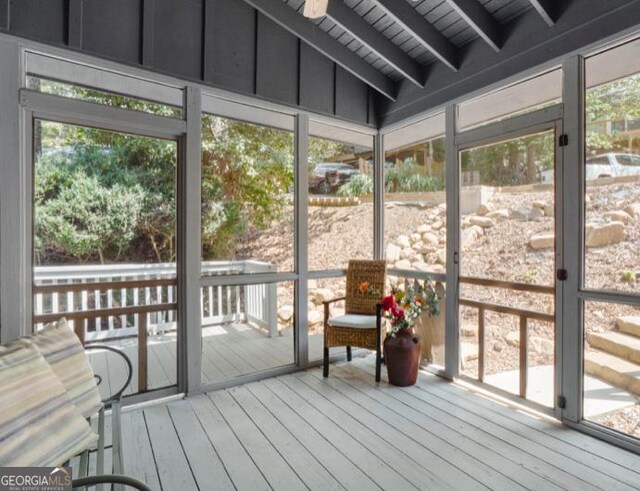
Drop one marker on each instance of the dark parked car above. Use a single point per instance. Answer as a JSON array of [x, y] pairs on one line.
[[328, 176]]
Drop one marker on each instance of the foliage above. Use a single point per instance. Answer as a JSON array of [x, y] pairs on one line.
[[616, 101], [512, 163], [403, 308], [121, 188], [402, 180], [408, 179], [358, 185], [628, 277], [247, 171], [78, 216]]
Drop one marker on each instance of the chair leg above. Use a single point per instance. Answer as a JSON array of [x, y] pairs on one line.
[[325, 368], [348, 353], [378, 363]]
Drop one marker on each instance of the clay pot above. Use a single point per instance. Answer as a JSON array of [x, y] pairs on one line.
[[402, 357]]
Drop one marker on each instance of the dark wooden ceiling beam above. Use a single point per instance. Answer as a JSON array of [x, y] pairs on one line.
[[315, 37], [418, 27], [480, 21], [373, 39], [546, 10]]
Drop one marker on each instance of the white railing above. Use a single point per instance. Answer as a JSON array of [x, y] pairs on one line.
[[254, 304]]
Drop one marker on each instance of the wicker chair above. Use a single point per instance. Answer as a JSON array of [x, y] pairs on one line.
[[361, 324]]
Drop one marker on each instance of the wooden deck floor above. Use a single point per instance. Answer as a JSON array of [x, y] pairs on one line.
[[303, 432], [228, 351]]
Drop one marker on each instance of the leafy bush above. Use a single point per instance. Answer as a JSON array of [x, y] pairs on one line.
[[77, 217], [358, 185], [404, 180]]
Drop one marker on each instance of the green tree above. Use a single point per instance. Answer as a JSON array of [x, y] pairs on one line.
[[616, 101], [247, 173]]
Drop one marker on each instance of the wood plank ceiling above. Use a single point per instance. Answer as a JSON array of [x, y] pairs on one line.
[[396, 40]]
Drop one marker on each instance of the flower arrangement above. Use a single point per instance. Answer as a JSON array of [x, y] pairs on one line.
[[403, 308]]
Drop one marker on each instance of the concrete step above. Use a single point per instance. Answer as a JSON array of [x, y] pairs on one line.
[[629, 324], [616, 343], [617, 371]]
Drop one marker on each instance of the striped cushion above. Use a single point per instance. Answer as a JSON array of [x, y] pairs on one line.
[[39, 426], [62, 349]]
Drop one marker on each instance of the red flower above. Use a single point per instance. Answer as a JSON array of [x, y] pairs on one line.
[[388, 302], [397, 312]]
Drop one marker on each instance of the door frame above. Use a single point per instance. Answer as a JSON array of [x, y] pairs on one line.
[[545, 119], [39, 106]]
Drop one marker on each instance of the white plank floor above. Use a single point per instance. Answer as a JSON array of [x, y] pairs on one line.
[[301, 431], [228, 351]]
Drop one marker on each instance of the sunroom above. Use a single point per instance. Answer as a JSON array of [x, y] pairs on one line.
[[189, 184]]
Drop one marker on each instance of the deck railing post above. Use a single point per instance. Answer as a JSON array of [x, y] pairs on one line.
[[523, 356], [142, 352], [481, 347]]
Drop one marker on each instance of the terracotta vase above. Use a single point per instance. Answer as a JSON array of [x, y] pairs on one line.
[[402, 357]]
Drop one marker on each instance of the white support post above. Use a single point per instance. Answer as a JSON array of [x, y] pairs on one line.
[[452, 348], [378, 197], [571, 308], [188, 263], [16, 302], [301, 237]]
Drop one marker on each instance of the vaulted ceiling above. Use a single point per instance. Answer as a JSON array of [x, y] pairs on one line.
[[384, 42]]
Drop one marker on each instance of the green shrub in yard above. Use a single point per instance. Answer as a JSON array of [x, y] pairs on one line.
[[359, 185], [418, 183], [395, 181]]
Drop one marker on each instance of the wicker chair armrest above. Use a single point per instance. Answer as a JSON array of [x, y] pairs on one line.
[[327, 302], [110, 479], [118, 394]]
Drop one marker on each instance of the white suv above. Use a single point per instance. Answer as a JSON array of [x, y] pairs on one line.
[[613, 165], [605, 165]]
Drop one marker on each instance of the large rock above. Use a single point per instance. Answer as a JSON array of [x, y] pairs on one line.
[[422, 229], [633, 210], [542, 241], [539, 204], [484, 222], [527, 213], [403, 241], [484, 208], [619, 216], [535, 213], [430, 239], [603, 234], [629, 324], [393, 253], [415, 238], [315, 318], [537, 344], [499, 215], [468, 330], [550, 210], [542, 346], [470, 235], [403, 264], [437, 225], [442, 257], [513, 338], [323, 295], [436, 268], [285, 313], [406, 253], [420, 266]]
